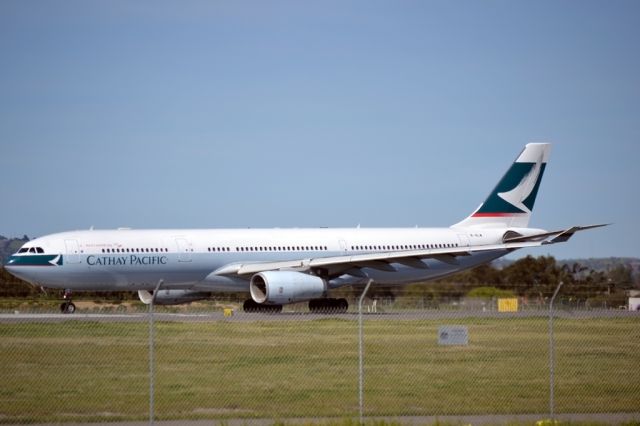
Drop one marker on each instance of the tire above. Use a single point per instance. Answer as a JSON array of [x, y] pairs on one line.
[[67, 308]]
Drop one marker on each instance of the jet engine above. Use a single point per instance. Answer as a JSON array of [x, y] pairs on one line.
[[280, 287], [172, 297]]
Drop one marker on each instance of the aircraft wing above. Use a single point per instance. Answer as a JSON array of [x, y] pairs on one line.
[[384, 261]]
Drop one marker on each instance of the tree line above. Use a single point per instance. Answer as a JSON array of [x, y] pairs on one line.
[[531, 278]]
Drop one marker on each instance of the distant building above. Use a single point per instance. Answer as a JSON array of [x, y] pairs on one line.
[[634, 303]]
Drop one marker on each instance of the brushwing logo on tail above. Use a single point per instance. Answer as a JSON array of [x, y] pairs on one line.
[[516, 192], [522, 192]]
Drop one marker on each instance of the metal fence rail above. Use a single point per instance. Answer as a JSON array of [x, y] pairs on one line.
[[163, 366]]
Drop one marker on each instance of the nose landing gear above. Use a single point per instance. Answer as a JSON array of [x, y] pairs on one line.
[[67, 307]]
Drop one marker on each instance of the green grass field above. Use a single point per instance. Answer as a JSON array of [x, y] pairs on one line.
[[80, 371]]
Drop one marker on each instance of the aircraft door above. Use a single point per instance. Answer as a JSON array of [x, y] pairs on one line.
[[184, 250], [464, 240], [73, 251]]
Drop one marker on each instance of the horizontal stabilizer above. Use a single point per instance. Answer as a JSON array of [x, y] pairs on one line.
[[557, 236], [565, 235]]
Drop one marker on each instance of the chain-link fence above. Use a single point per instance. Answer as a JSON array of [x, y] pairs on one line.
[[472, 358]]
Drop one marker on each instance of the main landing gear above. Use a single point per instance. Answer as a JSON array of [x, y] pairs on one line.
[[316, 306], [67, 307], [328, 306], [251, 306]]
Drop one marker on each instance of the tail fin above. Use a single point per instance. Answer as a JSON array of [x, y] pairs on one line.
[[511, 202]]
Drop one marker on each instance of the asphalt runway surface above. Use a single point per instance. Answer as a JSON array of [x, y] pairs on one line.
[[19, 317]]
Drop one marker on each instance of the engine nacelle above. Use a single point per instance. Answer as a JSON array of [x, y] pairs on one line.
[[172, 297], [280, 287]]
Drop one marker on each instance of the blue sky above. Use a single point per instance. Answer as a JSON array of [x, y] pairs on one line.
[[153, 114]]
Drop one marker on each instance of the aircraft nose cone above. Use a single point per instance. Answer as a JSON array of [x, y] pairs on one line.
[[11, 263], [15, 270], [16, 267]]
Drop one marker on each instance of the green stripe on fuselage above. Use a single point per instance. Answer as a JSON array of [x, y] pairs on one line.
[[36, 260]]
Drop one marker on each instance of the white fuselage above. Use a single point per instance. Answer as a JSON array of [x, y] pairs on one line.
[[138, 259]]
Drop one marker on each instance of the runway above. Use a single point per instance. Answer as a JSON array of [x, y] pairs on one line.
[[409, 315]]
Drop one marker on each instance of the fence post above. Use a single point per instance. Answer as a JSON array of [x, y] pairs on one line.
[[551, 354], [151, 354], [361, 351]]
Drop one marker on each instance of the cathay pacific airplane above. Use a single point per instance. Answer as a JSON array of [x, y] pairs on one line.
[[282, 266]]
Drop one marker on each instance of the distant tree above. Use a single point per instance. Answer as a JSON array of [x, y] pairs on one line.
[[434, 291], [487, 275], [621, 277], [489, 293], [532, 276]]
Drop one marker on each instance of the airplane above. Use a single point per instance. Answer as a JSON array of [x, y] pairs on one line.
[[283, 266]]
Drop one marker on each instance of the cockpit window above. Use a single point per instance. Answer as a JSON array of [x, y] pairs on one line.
[[31, 250]]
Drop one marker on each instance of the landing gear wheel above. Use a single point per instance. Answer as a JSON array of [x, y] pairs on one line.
[[251, 306], [343, 306], [328, 306], [67, 307]]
